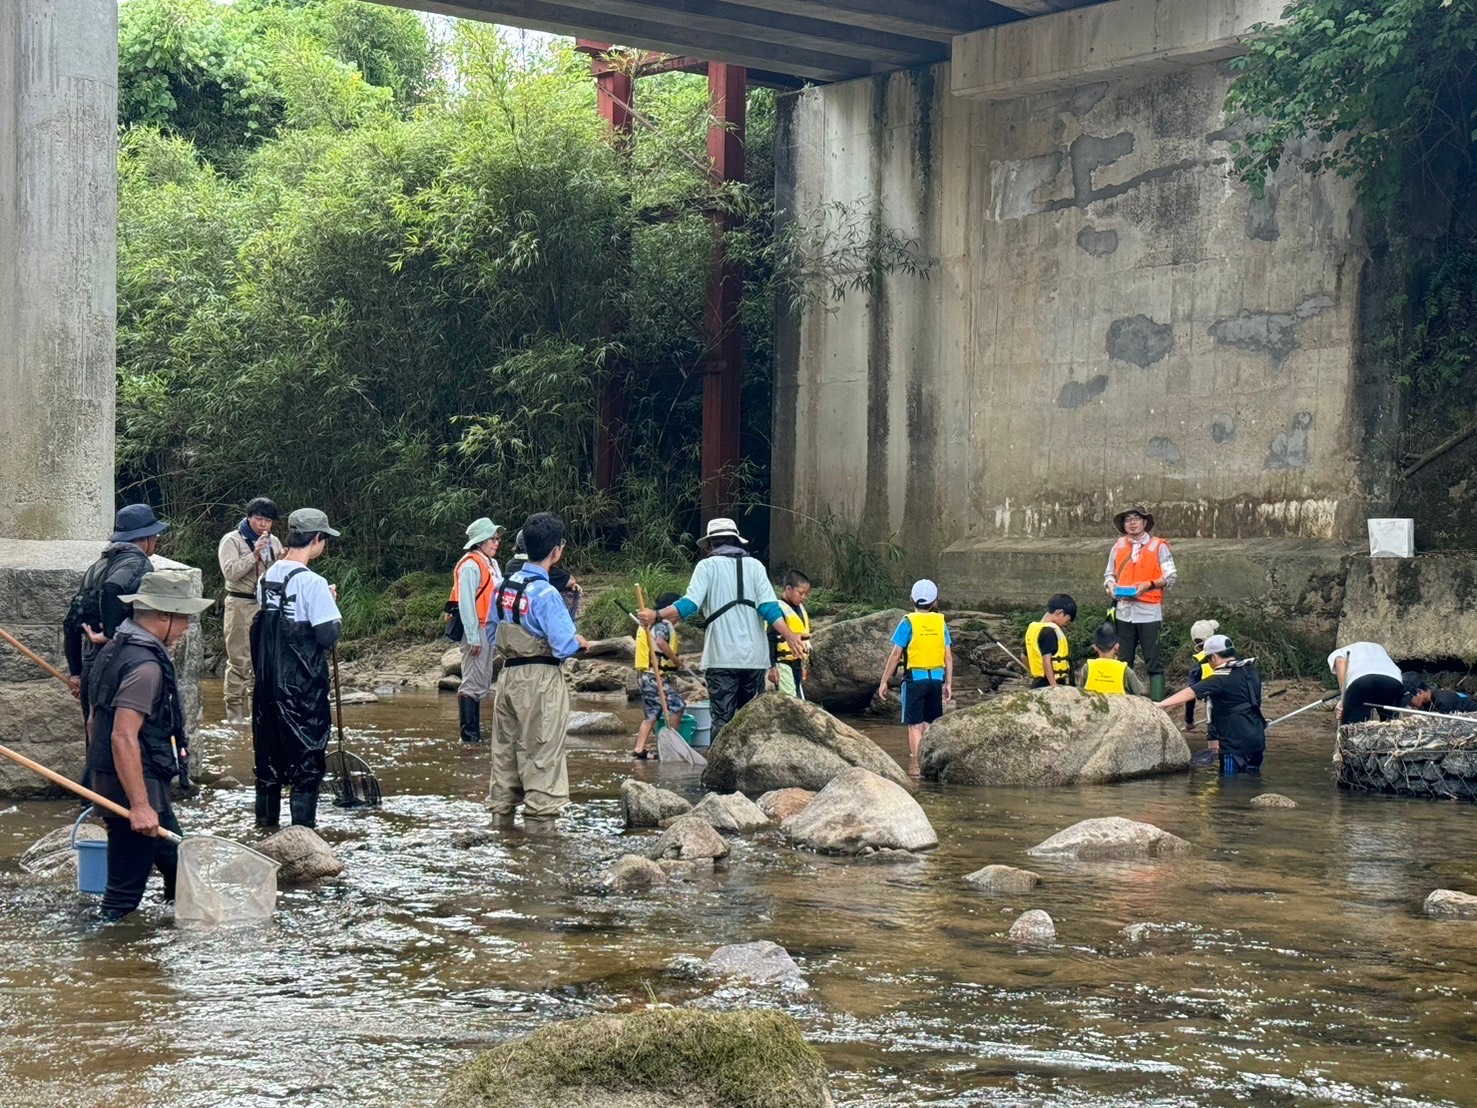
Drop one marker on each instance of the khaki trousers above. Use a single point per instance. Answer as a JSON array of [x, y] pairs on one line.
[[237, 685], [530, 717], [477, 672]]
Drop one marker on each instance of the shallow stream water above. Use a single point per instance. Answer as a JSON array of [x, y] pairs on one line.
[[1292, 964]]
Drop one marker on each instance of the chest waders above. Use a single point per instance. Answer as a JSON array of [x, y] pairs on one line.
[[530, 715]]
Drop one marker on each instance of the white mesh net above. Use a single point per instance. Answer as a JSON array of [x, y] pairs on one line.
[[223, 882], [672, 749]]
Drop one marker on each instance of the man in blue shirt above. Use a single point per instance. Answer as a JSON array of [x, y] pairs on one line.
[[535, 634]]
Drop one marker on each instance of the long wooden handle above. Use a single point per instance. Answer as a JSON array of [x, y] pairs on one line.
[[31, 654], [338, 695], [656, 662], [81, 790]]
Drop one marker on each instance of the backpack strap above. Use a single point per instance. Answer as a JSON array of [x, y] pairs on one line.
[[741, 601], [279, 589], [518, 590]]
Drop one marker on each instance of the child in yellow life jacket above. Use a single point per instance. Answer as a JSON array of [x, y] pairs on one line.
[[923, 644], [787, 672], [1105, 673], [1048, 654], [657, 647], [1200, 669]]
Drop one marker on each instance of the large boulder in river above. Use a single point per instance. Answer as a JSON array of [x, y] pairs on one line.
[[859, 813], [1053, 737], [302, 855], [688, 837], [1110, 837], [644, 805], [731, 813], [779, 742], [846, 659], [649, 1058]]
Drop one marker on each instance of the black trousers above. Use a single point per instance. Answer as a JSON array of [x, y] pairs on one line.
[[1372, 691], [131, 856], [1136, 636], [729, 690]]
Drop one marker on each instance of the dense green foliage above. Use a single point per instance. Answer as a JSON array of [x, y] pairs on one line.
[[1385, 91], [386, 273]]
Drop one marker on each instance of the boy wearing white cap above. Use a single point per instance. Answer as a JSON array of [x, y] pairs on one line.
[[924, 647]]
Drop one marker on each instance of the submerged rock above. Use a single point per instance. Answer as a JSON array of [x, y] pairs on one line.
[[690, 837], [731, 813], [52, 855], [644, 805], [780, 804], [1273, 800], [466, 840], [652, 1058], [633, 873], [846, 658], [226, 781], [1450, 904], [359, 696], [764, 963], [1053, 737], [1110, 837], [1034, 926], [780, 742], [685, 869], [1004, 879], [302, 855], [595, 723], [858, 813], [449, 683]]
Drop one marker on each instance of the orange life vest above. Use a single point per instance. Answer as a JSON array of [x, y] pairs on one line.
[[484, 588], [1126, 571]]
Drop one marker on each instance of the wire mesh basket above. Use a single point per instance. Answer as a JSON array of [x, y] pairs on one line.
[[1434, 758]]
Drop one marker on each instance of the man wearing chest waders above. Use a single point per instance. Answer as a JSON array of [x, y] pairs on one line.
[[297, 626], [733, 592], [138, 737]]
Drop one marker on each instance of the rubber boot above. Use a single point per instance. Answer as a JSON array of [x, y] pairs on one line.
[[304, 804], [268, 805], [471, 710], [1156, 687]]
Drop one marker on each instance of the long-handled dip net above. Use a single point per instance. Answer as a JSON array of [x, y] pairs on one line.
[[354, 783], [220, 881]]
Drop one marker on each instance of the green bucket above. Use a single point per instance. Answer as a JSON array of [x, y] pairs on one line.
[[687, 728]]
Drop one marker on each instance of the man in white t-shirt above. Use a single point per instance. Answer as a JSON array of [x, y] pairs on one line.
[[1368, 679], [298, 625]]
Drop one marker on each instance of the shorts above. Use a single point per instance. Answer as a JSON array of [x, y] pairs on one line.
[[651, 707], [792, 679], [923, 701]]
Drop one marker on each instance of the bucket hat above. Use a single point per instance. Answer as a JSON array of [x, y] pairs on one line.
[[1136, 510], [307, 520], [721, 528], [136, 521], [480, 530], [1204, 628], [168, 590]]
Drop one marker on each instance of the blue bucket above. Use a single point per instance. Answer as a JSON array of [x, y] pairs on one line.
[[92, 860]]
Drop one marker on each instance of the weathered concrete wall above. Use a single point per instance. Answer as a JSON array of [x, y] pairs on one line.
[[1110, 318], [38, 716], [58, 221], [1421, 609]]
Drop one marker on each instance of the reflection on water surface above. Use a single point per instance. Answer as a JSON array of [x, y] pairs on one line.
[[1289, 963]]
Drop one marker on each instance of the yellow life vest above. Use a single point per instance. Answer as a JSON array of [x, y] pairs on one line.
[[926, 648], [799, 621], [1061, 660], [1106, 675], [1206, 669], [644, 651]]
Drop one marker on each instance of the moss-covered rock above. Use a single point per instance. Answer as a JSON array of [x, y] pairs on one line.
[[658, 1058]]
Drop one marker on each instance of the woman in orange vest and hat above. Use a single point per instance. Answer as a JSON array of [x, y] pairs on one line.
[[1140, 568]]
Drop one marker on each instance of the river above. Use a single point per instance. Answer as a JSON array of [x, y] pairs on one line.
[[1291, 964]]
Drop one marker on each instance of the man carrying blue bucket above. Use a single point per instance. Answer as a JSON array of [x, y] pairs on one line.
[[138, 735]]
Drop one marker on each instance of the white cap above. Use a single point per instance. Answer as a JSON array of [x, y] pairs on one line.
[[1218, 644], [924, 592], [1203, 629]]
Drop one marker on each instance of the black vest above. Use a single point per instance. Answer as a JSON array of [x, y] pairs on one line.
[[115, 661]]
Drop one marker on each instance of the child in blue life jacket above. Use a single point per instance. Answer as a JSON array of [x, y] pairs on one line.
[[923, 646]]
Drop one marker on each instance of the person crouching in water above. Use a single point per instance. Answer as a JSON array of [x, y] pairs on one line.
[[297, 627], [923, 645], [139, 735], [1105, 673], [1234, 690], [535, 634], [657, 647]]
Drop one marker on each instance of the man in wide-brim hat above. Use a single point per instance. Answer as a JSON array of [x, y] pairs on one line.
[[734, 593], [139, 735], [1140, 567]]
